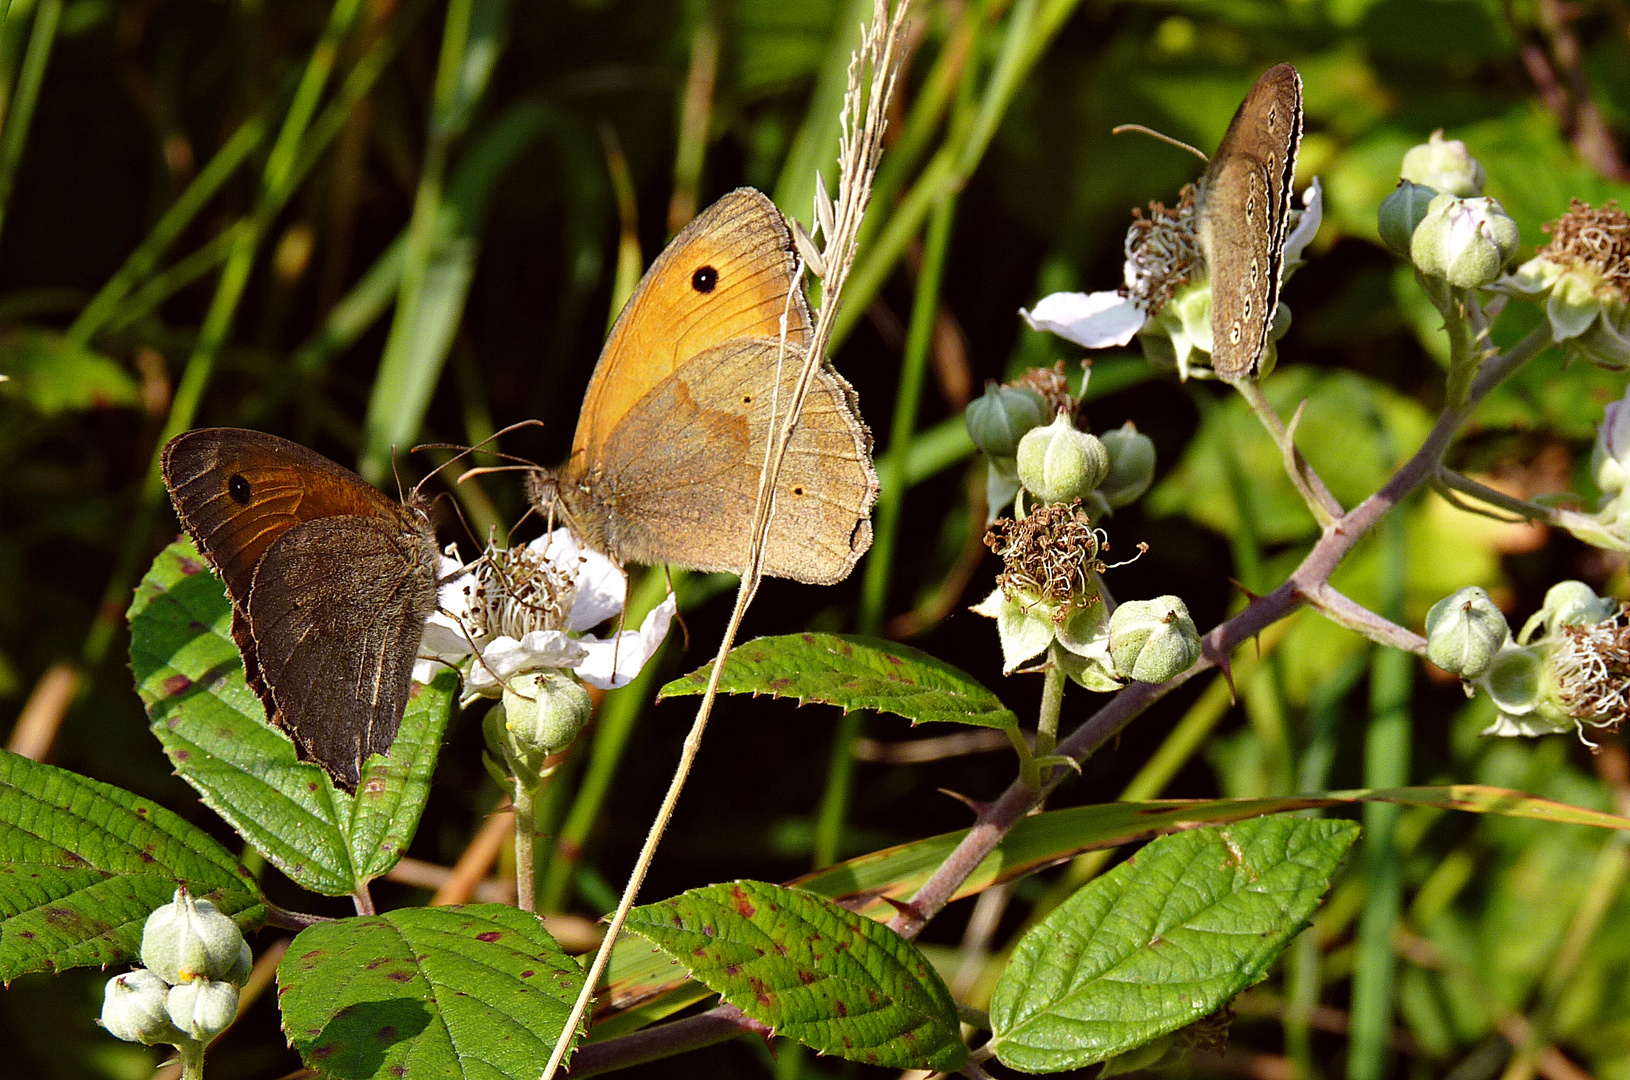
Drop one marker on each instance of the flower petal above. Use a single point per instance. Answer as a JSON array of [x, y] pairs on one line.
[[614, 662], [602, 588], [1095, 320], [1302, 235], [505, 656]]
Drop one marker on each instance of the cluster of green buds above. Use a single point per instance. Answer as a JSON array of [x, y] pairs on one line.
[[1582, 276], [187, 993], [1439, 219], [1568, 669], [1054, 462]]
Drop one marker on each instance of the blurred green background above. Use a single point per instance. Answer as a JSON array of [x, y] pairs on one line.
[[378, 222]]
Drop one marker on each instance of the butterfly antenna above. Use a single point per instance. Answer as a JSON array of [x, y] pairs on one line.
[[461, 451], [1162, 136]]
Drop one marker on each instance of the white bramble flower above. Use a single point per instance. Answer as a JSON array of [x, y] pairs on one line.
[[527, 609]]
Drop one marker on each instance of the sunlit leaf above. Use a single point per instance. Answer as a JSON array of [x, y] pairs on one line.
[[833, 980], [56, 377], [1161, 940], [461, 992], [82, 865], [190, 677], [853, 672]]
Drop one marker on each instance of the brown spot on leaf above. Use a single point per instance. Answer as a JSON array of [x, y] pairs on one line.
[[490, 935], [188, 566], [176, 684]]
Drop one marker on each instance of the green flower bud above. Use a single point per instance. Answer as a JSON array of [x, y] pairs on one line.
[[1464, 632], [1610, 457], [134, 1008], [1131, 465], [1572, 603], [202, 1008], [190, 939], [998, 420], [545, 711], [1153, 640], [1443, 165], [541, 713], [1467, 242], [1058, 464], [1401, 212]]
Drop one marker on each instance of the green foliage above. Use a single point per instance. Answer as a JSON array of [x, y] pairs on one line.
[[811, 971], [1162, 940], [213, 728], [55, 376], [82, 865], [853, 672], [465, 992]]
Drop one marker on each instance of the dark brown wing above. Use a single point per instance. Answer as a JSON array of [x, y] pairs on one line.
[[691, 501], [243, 495], [1244, 217], [237, 491], [337, 609]]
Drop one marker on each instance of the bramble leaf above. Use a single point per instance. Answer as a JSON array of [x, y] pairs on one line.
[[82, 865], [833, 980], [1162, 940], [190, 677], [853, 672], [473, 991]]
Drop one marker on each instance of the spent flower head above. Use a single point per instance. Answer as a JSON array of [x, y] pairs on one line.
[[1048, 592], [1582, 275], [1569, 669], [528, 609]]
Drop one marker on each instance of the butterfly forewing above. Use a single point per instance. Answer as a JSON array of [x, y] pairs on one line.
[[1244, 218], [729, 274]]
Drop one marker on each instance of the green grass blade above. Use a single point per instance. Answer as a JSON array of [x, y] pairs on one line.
[[1386, 764], [435, 277], [21, 115]]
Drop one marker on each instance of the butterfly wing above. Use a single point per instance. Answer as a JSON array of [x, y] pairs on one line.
[[245, 495], [337, 608], [1244, 218], [237, 491], [729, 274], [692, 505]]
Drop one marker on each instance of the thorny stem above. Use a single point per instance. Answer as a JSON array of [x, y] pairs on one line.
[[526, 847], [1340, 609], [997, 818], [1323, 505]]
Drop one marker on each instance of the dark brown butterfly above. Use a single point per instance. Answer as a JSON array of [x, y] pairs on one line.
[[1245, 217], [330, 581]]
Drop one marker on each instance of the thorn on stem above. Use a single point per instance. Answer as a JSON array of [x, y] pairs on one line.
[[971, 803]]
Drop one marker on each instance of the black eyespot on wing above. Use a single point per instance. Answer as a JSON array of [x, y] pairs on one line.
[[238, 488], [704, 280]]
